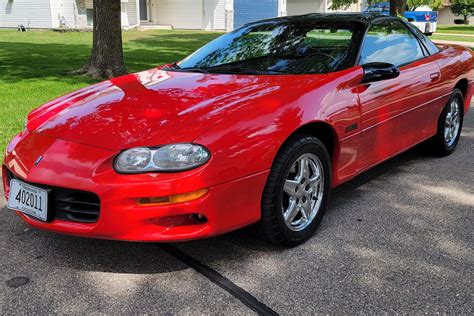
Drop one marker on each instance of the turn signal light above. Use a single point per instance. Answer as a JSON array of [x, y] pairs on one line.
[[173, 199]]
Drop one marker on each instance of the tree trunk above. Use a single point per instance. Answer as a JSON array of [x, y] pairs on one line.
[[397, 7], [106, 59]]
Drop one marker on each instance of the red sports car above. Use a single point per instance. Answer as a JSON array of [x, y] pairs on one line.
[[255, 127]]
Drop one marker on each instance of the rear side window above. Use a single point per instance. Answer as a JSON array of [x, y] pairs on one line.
[[390, 42], [430, 46]]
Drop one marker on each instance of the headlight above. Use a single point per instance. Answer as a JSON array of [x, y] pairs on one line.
[[176, 157]]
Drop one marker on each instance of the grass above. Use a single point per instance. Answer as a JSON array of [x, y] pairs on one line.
[[453, 38], [443, 31], [35, 66], [455, 29]]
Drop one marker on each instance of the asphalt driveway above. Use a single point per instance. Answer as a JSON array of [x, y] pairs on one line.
[[398, 238]]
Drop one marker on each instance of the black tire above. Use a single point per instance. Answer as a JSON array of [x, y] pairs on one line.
[[272, 225], [438, 144]]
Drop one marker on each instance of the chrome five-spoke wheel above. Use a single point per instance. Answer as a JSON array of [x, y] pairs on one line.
[[297, 191], [303, 191], [453, 122], [449, 126]]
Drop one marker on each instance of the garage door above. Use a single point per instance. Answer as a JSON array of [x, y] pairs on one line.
[[297, 7], [181, 14]]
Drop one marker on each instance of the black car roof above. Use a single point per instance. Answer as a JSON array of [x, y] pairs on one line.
[[364, 17]]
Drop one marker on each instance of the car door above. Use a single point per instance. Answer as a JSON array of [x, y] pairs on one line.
[[396, 113]]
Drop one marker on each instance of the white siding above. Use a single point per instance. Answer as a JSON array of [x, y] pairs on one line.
[[219, 15], [31, 13], [66, 9], [131, 12], [128, 11], [56, 12], [214, 15], [181, 14], [297, 7], [445, 16]]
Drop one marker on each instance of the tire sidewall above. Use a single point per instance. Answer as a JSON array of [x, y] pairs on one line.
[[457, 94], [310, 146]]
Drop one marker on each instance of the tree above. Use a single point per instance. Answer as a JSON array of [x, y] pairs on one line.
[[433, 4], [397, 7], [106, 60], [464, 8]]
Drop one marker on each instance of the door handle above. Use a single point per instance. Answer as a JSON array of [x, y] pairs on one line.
[[435, 76]]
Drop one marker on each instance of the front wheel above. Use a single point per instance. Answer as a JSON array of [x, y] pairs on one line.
[[297, 191], [449, 125]]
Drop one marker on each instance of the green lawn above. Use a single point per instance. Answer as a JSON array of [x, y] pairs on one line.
[[35, 66], [443, 31], [455, 29], [453, 38]]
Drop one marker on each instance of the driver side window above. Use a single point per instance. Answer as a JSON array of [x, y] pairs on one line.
[[390, 42]]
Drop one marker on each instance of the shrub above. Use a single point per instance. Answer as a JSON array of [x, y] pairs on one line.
[[465, 8]]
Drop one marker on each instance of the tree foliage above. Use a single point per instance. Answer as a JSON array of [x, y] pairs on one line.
[[433, 4], [464, 8], [397, 7], [341, 4], [410, 4]]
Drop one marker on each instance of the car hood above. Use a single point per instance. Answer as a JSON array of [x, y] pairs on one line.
[[154, 107]]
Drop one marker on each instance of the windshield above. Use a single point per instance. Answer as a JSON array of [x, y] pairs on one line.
[[282, 47]]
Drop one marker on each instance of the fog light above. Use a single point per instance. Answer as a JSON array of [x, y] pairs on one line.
[[173, 199]]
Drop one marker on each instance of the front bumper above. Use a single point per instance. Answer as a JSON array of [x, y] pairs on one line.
[[227, 206]]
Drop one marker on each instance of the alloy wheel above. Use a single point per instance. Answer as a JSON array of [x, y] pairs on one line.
[[303, 192], [452, 123]]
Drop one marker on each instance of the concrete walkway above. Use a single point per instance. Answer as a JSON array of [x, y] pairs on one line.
[[456, 34], [467, 44]]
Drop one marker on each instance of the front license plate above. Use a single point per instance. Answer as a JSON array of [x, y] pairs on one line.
[[28, 199]]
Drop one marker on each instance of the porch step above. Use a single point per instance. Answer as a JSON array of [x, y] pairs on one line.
[[150, 26]]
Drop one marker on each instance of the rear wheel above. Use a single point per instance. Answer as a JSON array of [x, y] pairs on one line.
[[297, 191], [449, 125]]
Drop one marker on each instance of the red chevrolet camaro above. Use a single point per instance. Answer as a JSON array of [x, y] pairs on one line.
[[255, 127]]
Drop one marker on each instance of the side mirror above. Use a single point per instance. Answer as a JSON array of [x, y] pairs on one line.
[[379, 71]]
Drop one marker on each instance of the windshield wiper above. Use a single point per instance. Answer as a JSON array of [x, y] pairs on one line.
[[219, 69], [175, 66], [193, 69], [238, 69]]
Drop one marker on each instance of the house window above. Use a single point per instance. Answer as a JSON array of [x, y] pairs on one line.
[[90, 17]]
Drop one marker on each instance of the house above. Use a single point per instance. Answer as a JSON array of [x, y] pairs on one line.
[[180, 14], [183, 14], [445, 16], [250, 10]]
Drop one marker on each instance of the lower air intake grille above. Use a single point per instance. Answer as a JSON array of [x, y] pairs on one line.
[[70, 205]]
